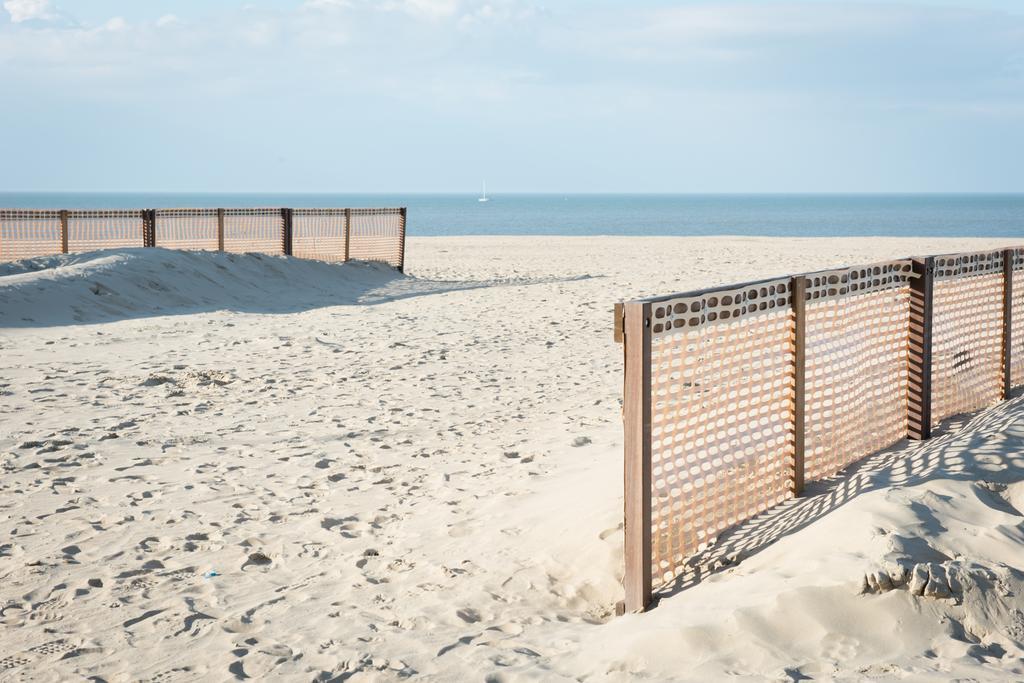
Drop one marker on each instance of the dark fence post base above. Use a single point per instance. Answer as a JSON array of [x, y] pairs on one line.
[[286, 217], [348, 231], [64, 231], [149, 227], [798, 294], [401, 245], [1008, 256], [919, 388], [220, 229]]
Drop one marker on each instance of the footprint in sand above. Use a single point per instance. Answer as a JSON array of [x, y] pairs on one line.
[[257, 559], [259, 661], [13, 662]]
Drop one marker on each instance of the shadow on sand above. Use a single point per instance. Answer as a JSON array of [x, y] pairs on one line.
[[121, 284], [991, 441]]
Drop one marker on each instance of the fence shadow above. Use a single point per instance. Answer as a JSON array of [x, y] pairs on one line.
[[122, 284], [960, 448]]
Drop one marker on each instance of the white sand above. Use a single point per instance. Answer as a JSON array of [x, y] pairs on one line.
[[421, 478]]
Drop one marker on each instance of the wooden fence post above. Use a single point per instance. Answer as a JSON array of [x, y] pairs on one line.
[[286, 218], [919, 388], [798, 295], [64, 231], [401, 248], [636, 414], [149, 227], [1008, 256], [220, 229], [348, 230]]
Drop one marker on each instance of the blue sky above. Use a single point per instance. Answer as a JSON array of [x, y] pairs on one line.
[[434, 95]]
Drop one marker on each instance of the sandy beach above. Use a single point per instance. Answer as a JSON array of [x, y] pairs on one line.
[[224, 467]]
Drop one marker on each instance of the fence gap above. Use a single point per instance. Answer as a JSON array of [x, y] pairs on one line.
[[220, 229], [798, 296], [1008, 256], [64, 231], [919, 387], [637, 451], [348, 231]]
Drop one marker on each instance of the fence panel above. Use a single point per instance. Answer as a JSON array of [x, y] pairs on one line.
[[29, 233], [1017, 321], [190, 229], [967, 333], [319, 234], [92, 229], [254, 230], [733, 397], [378, 235], [324, 234], [856, 364], [721, 380]]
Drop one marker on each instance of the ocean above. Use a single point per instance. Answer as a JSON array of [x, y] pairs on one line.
[[808, 215]]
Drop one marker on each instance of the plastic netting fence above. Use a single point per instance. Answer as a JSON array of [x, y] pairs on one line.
[[194, 229], [721, 385], [855, 364], [27, 234], [322, 234], [376, 235], [967, 333], [735, 396]]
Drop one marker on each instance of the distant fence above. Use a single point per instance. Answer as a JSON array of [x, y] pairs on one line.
[[735, 396], [323, 234]]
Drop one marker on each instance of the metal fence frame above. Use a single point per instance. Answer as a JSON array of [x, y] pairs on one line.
[[899, 295], [323, 234]]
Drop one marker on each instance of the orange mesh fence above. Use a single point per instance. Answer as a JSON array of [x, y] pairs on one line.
[[194, 229], [29, 233], [378, 235], [734, 397], [721, 397], [254, 230], [1017, 320], [319, 234], [324, 234], [967, 333], [856, 364], [90, 230]]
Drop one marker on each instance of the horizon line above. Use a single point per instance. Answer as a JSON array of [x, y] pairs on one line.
[[556, 193]]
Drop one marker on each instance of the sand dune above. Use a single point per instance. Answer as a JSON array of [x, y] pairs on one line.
[[225, 467]]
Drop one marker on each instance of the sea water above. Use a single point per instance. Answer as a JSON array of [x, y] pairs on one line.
[[809, 215]]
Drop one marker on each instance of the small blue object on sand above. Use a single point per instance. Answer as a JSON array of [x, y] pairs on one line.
[[210, 574]]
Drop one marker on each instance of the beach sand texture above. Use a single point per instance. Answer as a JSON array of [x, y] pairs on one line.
[[221, 467]]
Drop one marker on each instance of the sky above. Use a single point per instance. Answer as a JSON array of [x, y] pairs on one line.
[[572, 96]]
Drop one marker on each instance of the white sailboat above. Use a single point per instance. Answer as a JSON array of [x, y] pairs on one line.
[[483, 197]]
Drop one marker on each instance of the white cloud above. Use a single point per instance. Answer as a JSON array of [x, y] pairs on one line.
[[432, 8], [464, 51], [260, 33], [327, 4], [499, 12], [428, 9], [116, 24], [27, 10]]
